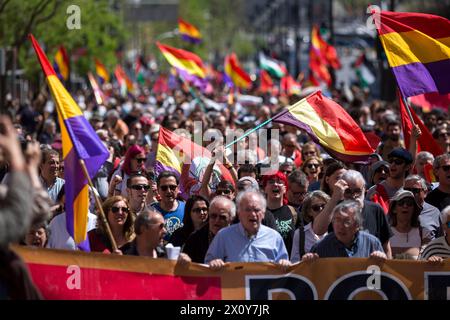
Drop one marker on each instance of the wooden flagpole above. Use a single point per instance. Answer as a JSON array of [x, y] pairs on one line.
[[100, 208]]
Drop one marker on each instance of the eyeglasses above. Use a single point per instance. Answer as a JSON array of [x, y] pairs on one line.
[[221, 217], [446, 168], [353, 192], [140, 187], [443, 134], [221, 192], [306, 153], [398, 162], [382, 170], [312, 165], [414, 190], [140, 160], [198, 210], [345, 222], [409, 202], [300, 194], [317, 207], [117, 209], [171, 187], [287, 172]]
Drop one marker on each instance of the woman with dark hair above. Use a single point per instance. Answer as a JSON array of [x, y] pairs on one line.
[[121, 223], [406, 240], [332, 174], [195, 216], [134, 162]]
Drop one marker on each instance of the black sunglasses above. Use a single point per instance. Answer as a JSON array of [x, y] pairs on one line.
[[139, 187], [200, 209], [312, 165], [117, 209], [398, 162], [409, 202], [165, 188], [317, 207], [140, 160], [446, 168], [413, 190], [221, 192]]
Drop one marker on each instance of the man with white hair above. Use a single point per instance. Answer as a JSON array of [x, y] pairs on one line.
[[248, 240], [439, 249], [347, 240], [352, 187]]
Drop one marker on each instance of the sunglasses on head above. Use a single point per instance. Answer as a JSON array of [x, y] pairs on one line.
[[171, 187], [398, 162], [117, 209], [317, 207], [139, 187], [140, 160]]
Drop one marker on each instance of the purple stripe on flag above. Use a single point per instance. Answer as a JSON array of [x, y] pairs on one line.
[[289, 119], [187, 38], [419, 78], [74, 183], [86, 143]]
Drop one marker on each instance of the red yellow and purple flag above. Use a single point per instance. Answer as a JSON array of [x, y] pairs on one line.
[[187, 160], [265, 82], [101, 71], [61, 64], [417, 47], [79, 142], [183, 60], [329, 125], [236, 73], [189, 32]]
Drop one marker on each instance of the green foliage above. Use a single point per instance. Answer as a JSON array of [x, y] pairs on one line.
[[101, 33]]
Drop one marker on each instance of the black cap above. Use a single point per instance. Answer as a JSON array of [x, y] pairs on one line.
[[401, 153]]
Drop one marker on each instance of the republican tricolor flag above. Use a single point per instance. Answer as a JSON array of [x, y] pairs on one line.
[[183, 60], [101, 72], [61, 64], [329, 125], [236, 73], [417, 47], [189, 32], [187, 160], [79, 142]]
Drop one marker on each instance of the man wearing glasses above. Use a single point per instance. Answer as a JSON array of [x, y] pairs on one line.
[[137, 190], [347, 240], [352, 187], [440, 197], [170, 207], [429, 216], [439, 249]]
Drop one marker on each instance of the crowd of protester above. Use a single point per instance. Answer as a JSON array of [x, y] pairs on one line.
[[310, 206]]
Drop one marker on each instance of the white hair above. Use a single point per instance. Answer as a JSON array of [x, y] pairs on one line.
[[226, 201], [246, 193], [445, 214]]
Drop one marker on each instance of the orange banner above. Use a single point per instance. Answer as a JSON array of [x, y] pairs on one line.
[[77, 275]]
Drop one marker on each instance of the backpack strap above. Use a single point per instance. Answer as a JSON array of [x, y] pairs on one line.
[[294, 214], [301, 233]]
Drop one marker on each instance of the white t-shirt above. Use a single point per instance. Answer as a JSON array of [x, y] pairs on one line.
[[406, 240], [60, 238], [310, 239]]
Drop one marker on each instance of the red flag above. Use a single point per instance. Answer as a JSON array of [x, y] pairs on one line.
[[289, 86], [428, 173], [426, 141]]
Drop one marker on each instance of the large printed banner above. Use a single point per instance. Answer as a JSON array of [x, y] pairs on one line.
[[79, 275]]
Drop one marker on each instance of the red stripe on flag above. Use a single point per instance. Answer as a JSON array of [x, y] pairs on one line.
[[46, 66]]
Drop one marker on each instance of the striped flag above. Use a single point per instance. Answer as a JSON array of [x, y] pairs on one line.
[[187, 160], [329, 125], [61, 64], [266, 83], [183, 60], [417, 47], [236, 73], [188, 32], [101, 71], [79, 142], [274, 67]]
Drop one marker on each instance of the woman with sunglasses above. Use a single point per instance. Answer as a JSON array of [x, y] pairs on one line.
[[195, 216], [134, 162], [304, 236], [406, 240], [312, 167], [121, 223]]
